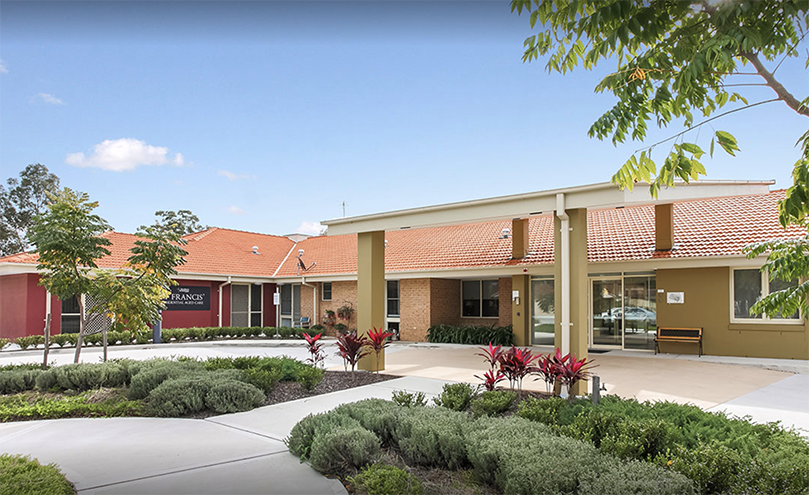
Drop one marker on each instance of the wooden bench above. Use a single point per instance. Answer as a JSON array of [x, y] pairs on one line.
[[670, 334]]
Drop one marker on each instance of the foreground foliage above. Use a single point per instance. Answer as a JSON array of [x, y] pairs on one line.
[[514, 454], [21, 475]]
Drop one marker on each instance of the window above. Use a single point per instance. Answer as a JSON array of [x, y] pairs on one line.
[[245, 305], [327, 291], [70, 315], [749, 286], [480, 298], [393, 298], [255, 305], [290, 305]]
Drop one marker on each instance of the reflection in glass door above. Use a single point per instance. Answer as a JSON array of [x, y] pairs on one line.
[[640, 312], [607, 308], [542, 311]]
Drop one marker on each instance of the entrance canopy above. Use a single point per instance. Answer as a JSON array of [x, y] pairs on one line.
[[600, 195]]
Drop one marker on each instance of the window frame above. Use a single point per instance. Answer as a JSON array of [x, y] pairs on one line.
[[765, 291], [480, 297], [250, 310], [323, 291], [62, 315]]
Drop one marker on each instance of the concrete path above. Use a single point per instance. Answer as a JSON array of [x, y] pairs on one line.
[[234, 454]]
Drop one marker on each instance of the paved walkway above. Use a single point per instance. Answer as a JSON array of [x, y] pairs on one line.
[[239, 453]]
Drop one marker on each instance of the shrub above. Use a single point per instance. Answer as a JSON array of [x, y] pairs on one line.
[[714, 468], [23, 476], [229, 396], [432, 437], [376, 415], [263, 379], [343, 450], [309, 376], [92, 339], [456, 396], [211, 333], [179, 396], [382, 479], [15, 381], [83, 376], [155, 373], [29, 341], [472, 335], [634, 477], [21, 366], [407, 399], [493, 402], [306, 430], [4, 343], [542, 410], [33, 405]]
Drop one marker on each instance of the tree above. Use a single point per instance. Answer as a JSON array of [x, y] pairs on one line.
[[181, 222], [69, 243], [20, 203], [685, 63]]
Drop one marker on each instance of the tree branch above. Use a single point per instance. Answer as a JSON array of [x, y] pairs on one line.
[[776, 86], [695, 126]]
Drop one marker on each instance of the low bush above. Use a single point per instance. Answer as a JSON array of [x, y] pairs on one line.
[[306, 430], [21, 366], [471, 335], [408, 399], [493, 402], [15, 381], [21, 475], [4, 343], [92, 339], [431, 436], [83, 376], [382, 479], [632, 478], [309, 377], [344, 450], [542, 410], [34, 405], [456, 396], [29, 341], [263, 379], [228, 396], [61, 339], [154, 373], [179, 396], [376, 415]]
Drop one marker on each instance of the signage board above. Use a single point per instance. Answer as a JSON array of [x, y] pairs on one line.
[[185, 298]]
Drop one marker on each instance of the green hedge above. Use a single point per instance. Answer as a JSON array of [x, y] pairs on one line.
[[516, 455], [470, 334], [21, 475], [721, 455]]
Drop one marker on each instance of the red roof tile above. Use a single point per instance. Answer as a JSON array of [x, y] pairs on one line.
[[710, 227]]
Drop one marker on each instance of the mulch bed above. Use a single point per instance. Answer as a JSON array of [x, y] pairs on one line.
[[332, 381]]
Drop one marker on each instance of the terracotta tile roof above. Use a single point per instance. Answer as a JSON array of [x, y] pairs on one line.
[[710, 227]]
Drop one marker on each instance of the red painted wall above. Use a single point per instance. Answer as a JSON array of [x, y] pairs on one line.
[[22, 306], [267, 306]]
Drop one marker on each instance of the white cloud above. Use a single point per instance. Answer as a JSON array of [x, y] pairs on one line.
[[312, 228], [120, 155], [231, 176], [235, 210], [47, 98], [3, 69]]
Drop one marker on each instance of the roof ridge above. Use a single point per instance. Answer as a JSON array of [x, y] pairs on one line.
[[202, 234], [284, 260], [254, 233]]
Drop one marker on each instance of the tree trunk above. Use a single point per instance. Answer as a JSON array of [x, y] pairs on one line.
[[81, 329], [47, 341], [104, 341]]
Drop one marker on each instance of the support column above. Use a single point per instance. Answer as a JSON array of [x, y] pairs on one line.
[[521, 309], [519, 238], [371, 291], [577, 256]]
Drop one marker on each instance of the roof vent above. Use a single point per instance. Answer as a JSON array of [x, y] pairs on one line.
[[504, 234], [255, 250]]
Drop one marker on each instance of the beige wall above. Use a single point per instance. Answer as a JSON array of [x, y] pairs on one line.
[[707, 305]]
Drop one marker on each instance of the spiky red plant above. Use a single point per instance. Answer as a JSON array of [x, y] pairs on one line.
[[516, 364], [490, 379], [352, 348], [316, 355], [491, 354], [379, 341]]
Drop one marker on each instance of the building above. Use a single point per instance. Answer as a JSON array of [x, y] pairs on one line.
[[628, 264]]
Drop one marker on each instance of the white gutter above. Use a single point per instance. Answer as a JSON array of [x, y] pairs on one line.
[[564, 253], [220, 298]]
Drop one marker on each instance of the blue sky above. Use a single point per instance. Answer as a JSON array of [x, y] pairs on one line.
[[266, 116]]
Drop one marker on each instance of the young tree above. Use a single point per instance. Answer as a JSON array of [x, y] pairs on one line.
[[69, 243], [683, 63], [20, 203], [181, 222]]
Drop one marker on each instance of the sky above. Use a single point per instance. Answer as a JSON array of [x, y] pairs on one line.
[[269, 116]]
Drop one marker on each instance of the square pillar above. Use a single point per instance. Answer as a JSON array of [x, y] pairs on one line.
[[521, 309], [519, 238], [371, 291], [579, 314]]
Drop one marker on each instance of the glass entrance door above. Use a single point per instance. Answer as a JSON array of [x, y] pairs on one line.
[[607, 312], [640, 312]]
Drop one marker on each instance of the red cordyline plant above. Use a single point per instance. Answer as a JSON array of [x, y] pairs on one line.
[[516, 364], [491, 378], [352, 348], [316, 354], [491, 355], [378, 341], [574, 371], [565, 369]]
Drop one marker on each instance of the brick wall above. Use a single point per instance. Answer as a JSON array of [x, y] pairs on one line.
[[414, 301], [341, 293], [445, 304]]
